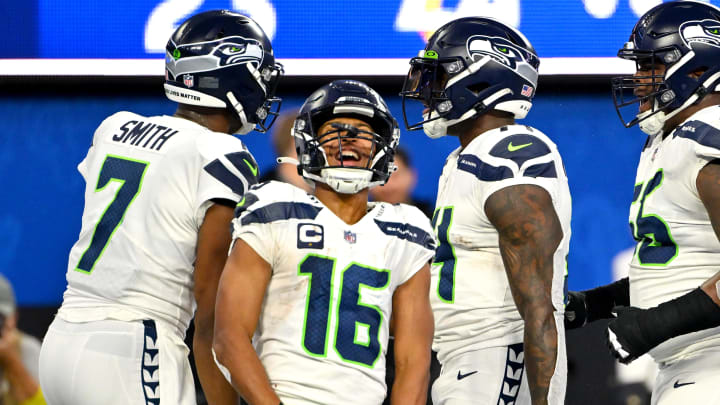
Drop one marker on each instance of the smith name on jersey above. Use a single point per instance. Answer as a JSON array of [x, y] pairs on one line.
[[676, 249], [470, 293], [328, 305], [149, 181]]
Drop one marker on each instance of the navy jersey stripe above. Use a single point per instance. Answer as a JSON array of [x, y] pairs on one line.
[[280, 211], [225, 176], [407, 232], [248, 199], [245, 163], [483, 171], [700, 132], [541, 170]]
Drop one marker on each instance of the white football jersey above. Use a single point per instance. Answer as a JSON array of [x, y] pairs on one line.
[[470, 293], [323, 332], [149, 181], [676, 249]]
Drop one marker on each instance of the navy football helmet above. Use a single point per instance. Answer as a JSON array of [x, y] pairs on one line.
[[223, 59], [683, 36], [353, 99], [471, 66]]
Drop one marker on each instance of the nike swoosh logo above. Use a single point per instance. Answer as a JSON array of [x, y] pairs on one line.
[[254, 169], [513, 148], [461, 375], [242, 202], [678, 384]]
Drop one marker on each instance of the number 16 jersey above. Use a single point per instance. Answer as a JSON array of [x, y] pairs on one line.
[[323, 330]]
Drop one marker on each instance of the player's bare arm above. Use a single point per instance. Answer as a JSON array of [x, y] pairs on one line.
[[529, 233], [239, 301], [213, 242], [637, 331], [412, 326], [708, 186]]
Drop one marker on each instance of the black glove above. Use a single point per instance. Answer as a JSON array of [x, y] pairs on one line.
[[625, 337], [590, 305], [636, 331], [575, 310]]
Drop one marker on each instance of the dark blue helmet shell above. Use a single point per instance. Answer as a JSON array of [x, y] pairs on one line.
[[223, 59], [345, 98], [470, 66], [684, 36]]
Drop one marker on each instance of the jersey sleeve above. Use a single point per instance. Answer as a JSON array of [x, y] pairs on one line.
[[704, 145], [514, 160], [228, 168], [416, 236], [249, 227]]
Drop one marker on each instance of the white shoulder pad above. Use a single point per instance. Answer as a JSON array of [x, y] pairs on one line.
[[704, 134], [274, 201], [406, 222]]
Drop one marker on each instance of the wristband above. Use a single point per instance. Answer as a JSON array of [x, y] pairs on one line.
[[692, 312], [600, 301]]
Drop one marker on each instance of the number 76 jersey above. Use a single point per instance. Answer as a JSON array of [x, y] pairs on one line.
[[323, 330], [677, 249]]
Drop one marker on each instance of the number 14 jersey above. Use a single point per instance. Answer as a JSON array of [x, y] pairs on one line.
[[470, 293]]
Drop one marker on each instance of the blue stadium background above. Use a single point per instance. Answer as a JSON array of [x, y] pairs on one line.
[[46, 137]]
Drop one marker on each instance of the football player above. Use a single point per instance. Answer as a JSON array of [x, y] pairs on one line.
[[319, 281], [159, 199], [502, 219], [675, 211]]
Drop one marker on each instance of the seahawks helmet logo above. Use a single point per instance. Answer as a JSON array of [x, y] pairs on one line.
[[701, 32], [212, 55], [499, 49]]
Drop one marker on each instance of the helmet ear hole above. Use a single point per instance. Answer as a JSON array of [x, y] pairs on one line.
[[477, 88]]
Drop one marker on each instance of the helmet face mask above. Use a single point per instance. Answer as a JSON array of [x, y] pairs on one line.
[[646, 86], [470, 66], [345, 137], [221, 59], [676, 48]]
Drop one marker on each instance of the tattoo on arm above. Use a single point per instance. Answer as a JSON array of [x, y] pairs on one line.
[[529, 233]]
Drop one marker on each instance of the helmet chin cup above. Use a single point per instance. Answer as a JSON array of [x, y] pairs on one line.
[[346, 180], [651, 122], [435, 128]]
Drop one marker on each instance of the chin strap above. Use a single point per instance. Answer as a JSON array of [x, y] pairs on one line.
[[655, 120], [237, 106]]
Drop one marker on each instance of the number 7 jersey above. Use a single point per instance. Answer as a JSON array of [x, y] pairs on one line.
[[677, 249], [149, 181], [324, 326]]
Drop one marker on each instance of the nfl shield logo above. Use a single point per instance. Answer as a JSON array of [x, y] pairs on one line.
[[350, 237], [526, 90], [188, 80]]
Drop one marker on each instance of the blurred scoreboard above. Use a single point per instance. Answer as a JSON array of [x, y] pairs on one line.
[[311, 37]]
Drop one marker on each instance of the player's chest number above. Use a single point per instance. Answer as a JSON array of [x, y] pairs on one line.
[[357, 325], [129, 173], [656, 246], [445, 254]]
